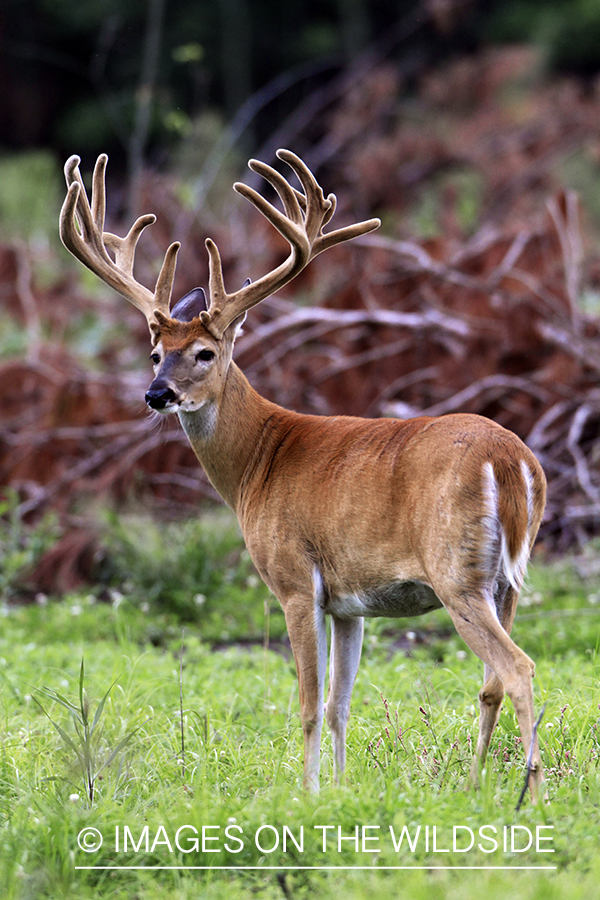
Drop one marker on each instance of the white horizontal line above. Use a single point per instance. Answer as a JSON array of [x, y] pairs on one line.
[[302, 868]]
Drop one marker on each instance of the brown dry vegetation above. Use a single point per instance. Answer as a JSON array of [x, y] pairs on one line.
[[469, 298]]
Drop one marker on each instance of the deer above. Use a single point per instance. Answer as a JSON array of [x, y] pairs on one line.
[[344, 517]]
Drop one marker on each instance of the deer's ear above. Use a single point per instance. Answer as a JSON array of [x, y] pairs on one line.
[[190, 306], [154, 333], [157, 325], [236, 326]]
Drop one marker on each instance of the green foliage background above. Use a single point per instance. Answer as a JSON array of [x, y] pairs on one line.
[[74, 70]]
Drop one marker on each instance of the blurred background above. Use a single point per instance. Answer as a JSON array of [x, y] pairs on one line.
[[471, 128]]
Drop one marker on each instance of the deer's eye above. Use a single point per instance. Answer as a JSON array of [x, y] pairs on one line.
[[204, 355], [155, 357]]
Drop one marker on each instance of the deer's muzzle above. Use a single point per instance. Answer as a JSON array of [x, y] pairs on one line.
[[158, 395]]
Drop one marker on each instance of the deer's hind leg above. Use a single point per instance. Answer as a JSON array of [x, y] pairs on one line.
[[476, 620], [346, 645], [492, 693]]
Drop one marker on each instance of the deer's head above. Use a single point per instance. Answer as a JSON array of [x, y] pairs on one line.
[[192, 343], [190, 363]]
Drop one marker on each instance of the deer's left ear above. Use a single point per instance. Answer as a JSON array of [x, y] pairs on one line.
[[236, 326]]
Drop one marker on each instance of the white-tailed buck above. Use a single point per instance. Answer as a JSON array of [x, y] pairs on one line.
[[343, 517]]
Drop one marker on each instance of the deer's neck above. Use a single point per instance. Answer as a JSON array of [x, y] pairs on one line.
[[224, 433]]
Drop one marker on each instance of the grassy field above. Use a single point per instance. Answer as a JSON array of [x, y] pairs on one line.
[[209, 803]]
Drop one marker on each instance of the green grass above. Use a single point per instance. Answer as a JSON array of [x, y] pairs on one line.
[[237, 782]]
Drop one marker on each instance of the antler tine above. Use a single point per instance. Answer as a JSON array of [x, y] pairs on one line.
[[99, 192], [316, 206], [292, 229], [89, 242], [314, 192], [166, 276], [291, 198], [216, 284], [76, 210], [301, 224], [332, 199]]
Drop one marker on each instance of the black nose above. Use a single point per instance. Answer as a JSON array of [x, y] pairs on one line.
[[158, 397]]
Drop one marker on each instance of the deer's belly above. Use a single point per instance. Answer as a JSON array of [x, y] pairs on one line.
[[399, 599]]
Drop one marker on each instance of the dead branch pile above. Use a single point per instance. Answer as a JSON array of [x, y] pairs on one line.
[[488, 321], [67, 433], [410, 329]]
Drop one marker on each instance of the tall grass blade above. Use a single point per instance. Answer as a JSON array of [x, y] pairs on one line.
[[82, 700], [100, 706], [68, 741], [54, 695]]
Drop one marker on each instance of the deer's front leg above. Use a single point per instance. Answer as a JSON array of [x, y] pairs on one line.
[[305, 622]]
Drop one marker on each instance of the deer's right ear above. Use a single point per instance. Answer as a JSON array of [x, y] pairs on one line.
[[157, 324], [154, 332], [190, 306]]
